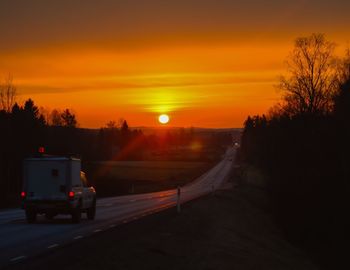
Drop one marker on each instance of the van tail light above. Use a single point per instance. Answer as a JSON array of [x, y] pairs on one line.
[[71, 195], [23, 194]]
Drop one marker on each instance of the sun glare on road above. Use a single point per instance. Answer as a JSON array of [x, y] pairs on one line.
[[163, 119]]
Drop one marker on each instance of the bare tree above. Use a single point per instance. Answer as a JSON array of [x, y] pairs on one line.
[[7, 94], [111, 125], [312, 82], [55, 118]]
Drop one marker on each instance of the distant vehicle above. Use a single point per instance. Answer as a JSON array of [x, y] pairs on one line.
[[55, 185]]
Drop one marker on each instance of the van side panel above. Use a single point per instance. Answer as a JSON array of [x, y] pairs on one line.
[[45, 180], [75, 173]]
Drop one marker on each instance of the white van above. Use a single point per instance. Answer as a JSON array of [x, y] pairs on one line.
[[56, 185]]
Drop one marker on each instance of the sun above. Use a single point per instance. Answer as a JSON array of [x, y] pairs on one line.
[[163, 119]]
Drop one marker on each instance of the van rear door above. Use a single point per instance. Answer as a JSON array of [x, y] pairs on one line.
[[46, 179]]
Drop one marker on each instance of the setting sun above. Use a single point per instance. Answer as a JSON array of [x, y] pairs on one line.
[[163, 119]]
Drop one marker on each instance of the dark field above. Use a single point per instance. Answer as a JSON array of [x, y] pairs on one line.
[[126, 177]]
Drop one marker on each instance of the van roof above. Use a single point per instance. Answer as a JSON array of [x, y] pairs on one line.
[[52, 158]]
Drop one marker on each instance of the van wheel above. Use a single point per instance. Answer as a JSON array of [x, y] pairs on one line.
[[30, 216], [76, 215], [91, 212]]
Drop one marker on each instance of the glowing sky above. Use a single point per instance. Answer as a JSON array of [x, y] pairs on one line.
[[206, 63]]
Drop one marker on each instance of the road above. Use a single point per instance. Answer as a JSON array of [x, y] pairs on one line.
[[20, 241]]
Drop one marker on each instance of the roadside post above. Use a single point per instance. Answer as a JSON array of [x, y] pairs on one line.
[[178, 200]]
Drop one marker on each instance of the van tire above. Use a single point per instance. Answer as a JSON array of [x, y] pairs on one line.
[[30, 215], [91, 212], [76, 215]]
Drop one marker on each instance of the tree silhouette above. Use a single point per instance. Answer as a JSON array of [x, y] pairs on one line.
[[343, 69], [68, 119], [7, 94], [125, 127], [55, 118], [310, 87], [111, 125], [124, 134], [31, 111], [342, 102]]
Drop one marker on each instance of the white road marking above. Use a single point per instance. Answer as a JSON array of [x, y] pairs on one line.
[[112, 226], [98, 230], [105, 205], [18, 258], [125, 221], [78, 237], [53, 246]]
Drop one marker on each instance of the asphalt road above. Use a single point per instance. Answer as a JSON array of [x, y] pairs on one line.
[[19, 240]]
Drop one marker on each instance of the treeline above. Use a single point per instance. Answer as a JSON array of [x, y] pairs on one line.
[[25, 128], [303, 148]]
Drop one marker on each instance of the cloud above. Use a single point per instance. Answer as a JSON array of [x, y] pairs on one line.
[[140, 83], [135, 23]]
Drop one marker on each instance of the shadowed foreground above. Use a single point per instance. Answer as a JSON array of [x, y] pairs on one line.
[[229, 230]]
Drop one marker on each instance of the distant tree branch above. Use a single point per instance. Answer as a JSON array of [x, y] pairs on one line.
[[311, 84], [8, 94]]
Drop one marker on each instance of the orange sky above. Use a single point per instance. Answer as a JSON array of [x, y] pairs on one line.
[[204, 64]]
